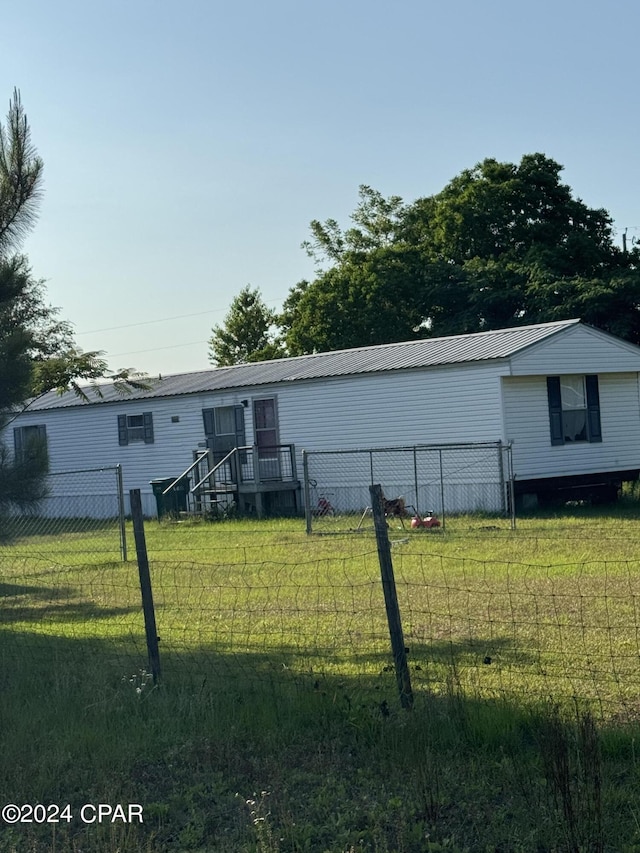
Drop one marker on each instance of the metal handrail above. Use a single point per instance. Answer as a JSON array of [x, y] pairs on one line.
[[203, 453], [218, 465]]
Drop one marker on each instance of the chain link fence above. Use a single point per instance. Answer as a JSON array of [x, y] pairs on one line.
[[88, 503], [440, 479]]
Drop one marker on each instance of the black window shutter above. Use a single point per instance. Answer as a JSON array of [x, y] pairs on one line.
[[240, 431], [17, 442], [123, 432], [147, 419], [593, 408], [42, 440], [209, 422], [555, 409]]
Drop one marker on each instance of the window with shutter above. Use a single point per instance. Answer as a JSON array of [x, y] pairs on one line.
[[574, 409], [132, 428], [224, 429]]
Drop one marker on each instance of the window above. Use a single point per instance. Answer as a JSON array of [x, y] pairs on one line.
[[30, 442], [574, 409], [135, 428], [224, 429], [225, 420]]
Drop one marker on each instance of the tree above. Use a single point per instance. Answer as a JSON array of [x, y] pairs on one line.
[[359, 302], [247, 332], [37, 352], [502, 244], [377, 219], [370, 293]]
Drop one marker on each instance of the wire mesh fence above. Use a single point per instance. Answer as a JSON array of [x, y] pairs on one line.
[[84, 507], [528, 636], [427, 479], [80, 614], [524, 632], [486, 613]]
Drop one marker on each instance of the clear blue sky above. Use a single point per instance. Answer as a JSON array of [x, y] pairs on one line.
[[187, 145]]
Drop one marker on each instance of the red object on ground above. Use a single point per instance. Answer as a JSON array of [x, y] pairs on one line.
[[427, 521]]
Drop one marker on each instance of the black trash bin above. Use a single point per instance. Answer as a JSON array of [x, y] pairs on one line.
[[175, 501], [178, 494]]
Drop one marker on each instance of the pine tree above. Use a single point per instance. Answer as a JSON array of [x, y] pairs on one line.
[[246, 334]]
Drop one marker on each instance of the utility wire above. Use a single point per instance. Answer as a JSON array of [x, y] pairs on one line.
[[165, 320], [154, 349], [150, 322]]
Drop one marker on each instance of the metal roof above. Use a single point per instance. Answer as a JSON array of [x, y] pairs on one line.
[[429, 352]]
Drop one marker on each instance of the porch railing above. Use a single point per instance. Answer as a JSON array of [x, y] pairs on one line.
[[251, 465], [201, 455], [249, 468]]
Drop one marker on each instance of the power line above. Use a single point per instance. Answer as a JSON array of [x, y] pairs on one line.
[[154, 349], [150, 322], [165, 320]]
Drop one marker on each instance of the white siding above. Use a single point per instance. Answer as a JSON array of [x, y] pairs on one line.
[[527, 425], [448, 404], [437, 406], [578, 349], [87, 437]]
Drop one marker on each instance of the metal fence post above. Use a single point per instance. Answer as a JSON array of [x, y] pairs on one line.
[[121, 520], [512, 488], [307, 491], [391, 598], [503, 484], [441, 488], [145, 584]]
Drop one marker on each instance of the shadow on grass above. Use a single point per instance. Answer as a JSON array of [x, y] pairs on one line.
[[12, 590], [626, 508], [51, 605], [35, 525], [498, 663], [341, 765]]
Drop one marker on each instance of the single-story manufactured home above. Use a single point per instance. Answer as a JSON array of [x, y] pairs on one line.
[[564, 395]]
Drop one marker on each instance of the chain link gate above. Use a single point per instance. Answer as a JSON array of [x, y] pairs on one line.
[[443, 479]]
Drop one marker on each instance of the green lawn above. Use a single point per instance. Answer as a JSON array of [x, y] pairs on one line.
[[277, 677]]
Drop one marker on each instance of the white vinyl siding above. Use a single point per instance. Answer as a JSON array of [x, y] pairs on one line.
[[87, 437], [527, 426], [445, 404], [463, 402], [577, 350], [448, 404]]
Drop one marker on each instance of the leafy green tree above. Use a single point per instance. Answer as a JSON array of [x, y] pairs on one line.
[[360, 302], [502, 244], [371, 292], [376, 219], [247, 332]]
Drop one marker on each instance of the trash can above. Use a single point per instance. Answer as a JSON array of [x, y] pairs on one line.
[[179, 495], [174, 501]]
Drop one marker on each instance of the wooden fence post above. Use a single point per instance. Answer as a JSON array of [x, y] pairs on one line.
[[391, 598], [145, 584]]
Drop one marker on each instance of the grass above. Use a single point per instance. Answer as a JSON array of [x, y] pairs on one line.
[[276, 725]]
